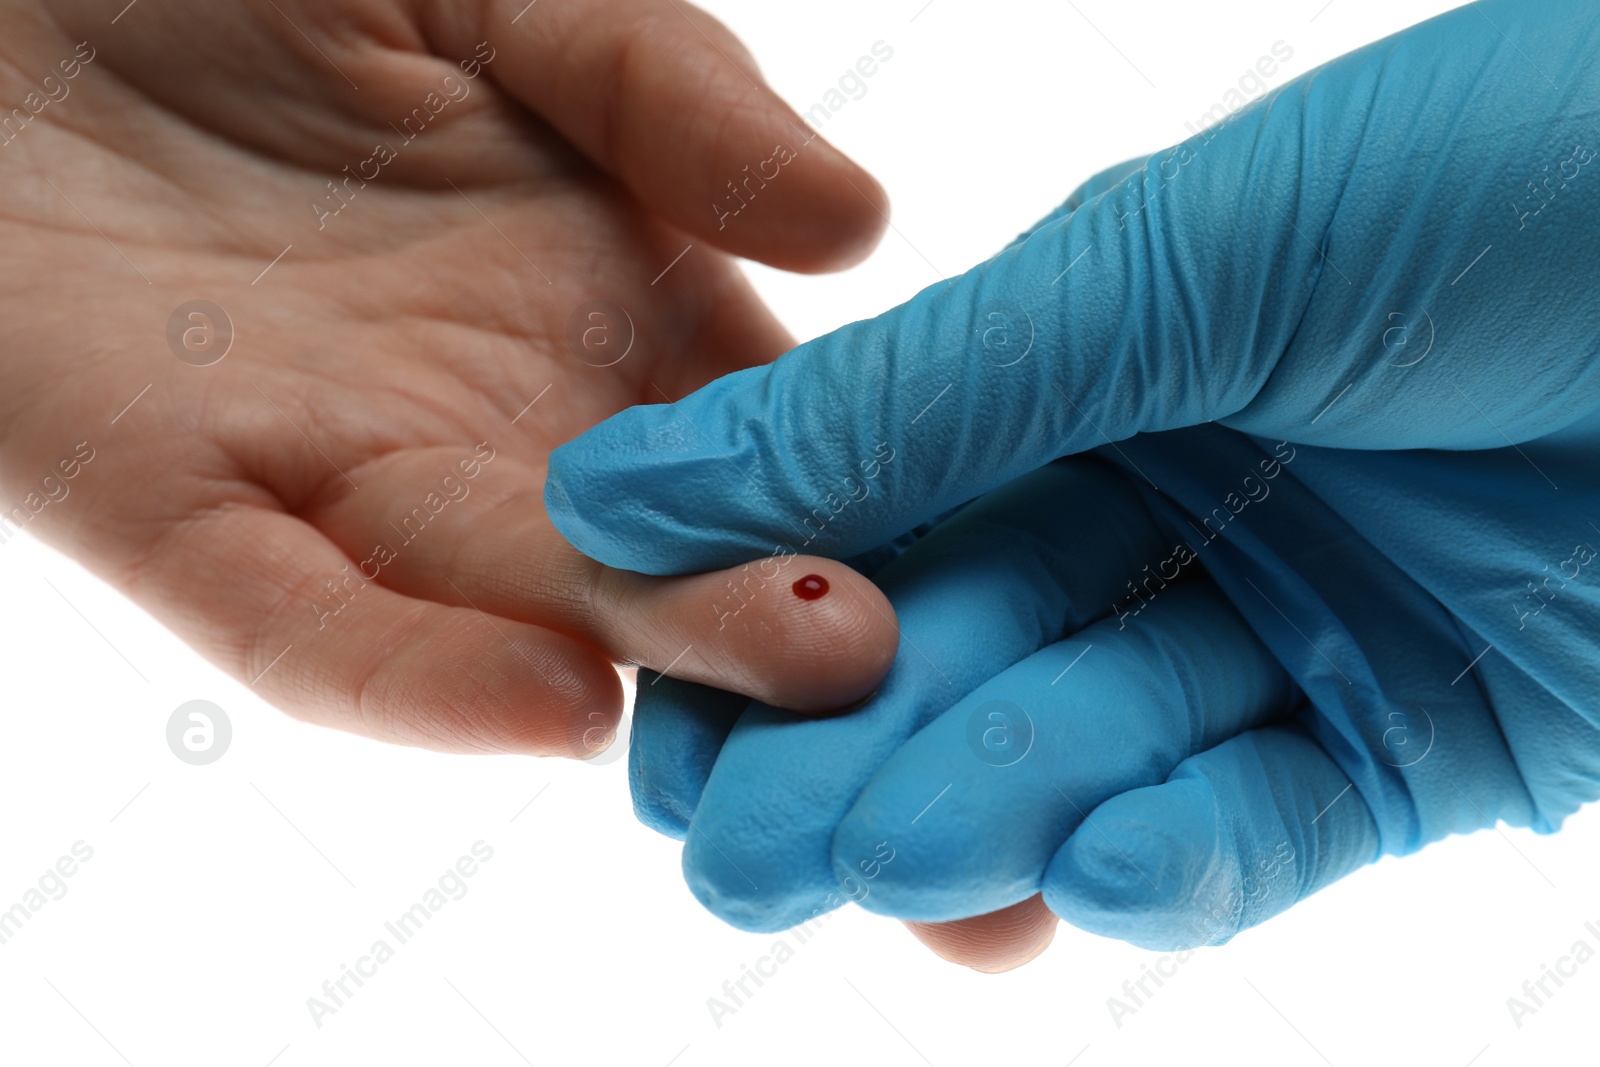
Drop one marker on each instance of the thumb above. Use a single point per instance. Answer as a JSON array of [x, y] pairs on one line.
[[665, 98]]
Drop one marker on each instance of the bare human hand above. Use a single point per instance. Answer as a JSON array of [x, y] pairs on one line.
[[298, 297]]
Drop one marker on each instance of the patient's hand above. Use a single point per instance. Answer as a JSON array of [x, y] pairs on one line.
[[435, 240]]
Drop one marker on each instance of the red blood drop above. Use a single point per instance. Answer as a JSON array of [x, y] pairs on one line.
[[811, 587]]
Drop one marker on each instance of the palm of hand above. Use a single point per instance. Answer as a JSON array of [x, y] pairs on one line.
[[440, 297]]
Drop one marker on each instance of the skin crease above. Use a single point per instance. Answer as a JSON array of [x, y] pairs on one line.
[[397, 339]]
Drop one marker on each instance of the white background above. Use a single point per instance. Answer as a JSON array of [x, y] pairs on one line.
[[219, 898]]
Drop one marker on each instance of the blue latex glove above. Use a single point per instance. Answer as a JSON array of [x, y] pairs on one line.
[[1360, 261], [1209, 809]]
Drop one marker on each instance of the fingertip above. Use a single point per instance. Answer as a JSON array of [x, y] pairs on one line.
[[678, 729], [999, 941], [688, 123], [468, 684], [834, 218], [597, 487], [778, 190], [655, 810], [578, 704], [801, 633], [843, 636], [1148, 867], [740, 883], [1238, 833]]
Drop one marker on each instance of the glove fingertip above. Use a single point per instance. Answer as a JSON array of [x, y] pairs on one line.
[[678, 729], [564, 490], [1149, 867], [658, 810]]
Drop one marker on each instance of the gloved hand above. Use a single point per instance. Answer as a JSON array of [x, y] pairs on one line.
[[1368, 263]]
